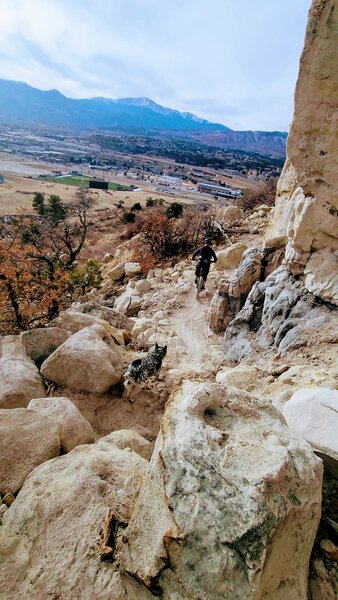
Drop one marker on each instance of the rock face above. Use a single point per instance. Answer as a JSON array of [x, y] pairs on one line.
[[20, 380], [313, 413], [274, 315], [89, 360], [306, 213], [230, 489], [74, 428], [42, 341], [70, 513], [27, 439]]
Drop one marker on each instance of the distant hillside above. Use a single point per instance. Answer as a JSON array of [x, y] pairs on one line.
[[21, 102]]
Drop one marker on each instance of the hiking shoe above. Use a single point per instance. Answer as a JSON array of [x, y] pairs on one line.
[[203, 287], [195, 281]]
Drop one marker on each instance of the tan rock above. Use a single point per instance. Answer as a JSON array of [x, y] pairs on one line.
[[306, 213], [20, 380], [132, 269], [74, 428], [230, 214], [127, 438], [60, 536], [243, 377], [230, 257], [117, 272], [129, 303], [143, 286], [26, 440], [42, 341], [89, 360], [73, 321], [229, 488]]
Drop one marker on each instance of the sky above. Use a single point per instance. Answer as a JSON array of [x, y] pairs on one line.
[[234, 63]]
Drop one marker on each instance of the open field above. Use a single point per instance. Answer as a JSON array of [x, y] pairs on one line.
[[82, 182]]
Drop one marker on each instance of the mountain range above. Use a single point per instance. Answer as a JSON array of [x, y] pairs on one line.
[[19, 102]]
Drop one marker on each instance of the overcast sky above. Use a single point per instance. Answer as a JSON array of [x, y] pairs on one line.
[[231, 62]]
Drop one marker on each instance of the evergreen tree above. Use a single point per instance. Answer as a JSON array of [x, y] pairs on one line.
[[39, 203], [55, 208]]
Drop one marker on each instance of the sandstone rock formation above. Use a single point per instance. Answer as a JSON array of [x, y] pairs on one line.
[[306, 214], [59, 537], [27, 439], [74, 320], [41, 342], [20, 380], [74, 428], [230, 488], [89, 360]]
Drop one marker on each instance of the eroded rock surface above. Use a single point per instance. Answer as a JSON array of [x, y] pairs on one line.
[[58, 538], [20, 380], [230, 488]]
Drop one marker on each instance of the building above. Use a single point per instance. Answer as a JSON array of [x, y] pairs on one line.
[[218, 190], [98, 185]]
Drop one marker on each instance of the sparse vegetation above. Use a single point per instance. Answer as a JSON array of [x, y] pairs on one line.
[[265, 195]]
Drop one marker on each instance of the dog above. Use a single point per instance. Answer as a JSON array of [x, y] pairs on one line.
[[142, 369]]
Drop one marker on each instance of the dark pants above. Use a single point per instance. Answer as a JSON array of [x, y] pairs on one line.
[[203, 268]]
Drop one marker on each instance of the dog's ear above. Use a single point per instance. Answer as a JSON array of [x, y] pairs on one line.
[[156, 346], [165, 348]]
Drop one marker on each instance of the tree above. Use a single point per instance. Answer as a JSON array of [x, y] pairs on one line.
[[89, 276], [55, 209], [136, 206], [39, 203], [175, 210]]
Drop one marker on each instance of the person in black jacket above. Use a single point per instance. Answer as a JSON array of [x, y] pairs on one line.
[[205, 256]]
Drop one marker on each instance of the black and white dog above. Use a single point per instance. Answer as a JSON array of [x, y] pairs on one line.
[[142, 369]]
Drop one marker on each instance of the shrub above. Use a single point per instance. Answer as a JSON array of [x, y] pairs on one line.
[[129, 217], [174, 211], [136, 206], [265, 194]]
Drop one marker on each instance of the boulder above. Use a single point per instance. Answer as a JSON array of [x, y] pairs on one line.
[[117, 272], [143, 286], [132, 269], [60, 536], [27, 439], [129, 303], [39, 343], [230, 257], [74, 428], [242, 377], [230, 487], [313, 413], [89, 360], [20, 379], [230, 214], [114, 318], [74, 320], [127, 438], [321, 275]]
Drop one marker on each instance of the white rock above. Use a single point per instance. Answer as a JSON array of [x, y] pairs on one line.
[[143, 286], [73, 321], [26, 440], [229, 488], [132, 268], [313, 413], [321, 275], [305, 376], [129, 303], [230, 257], [89, 360], [54, 535], [74, 428]]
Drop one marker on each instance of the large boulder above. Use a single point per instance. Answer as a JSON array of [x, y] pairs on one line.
[[74, 428], [230, 214], [89, 360], [231, 504], [75, 320], [132, 268], [313, 413], [95, 309], [20, 380], [129, 303], [39, 343], [127, 438], [59, 537], [27, 439], [230, 257]]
